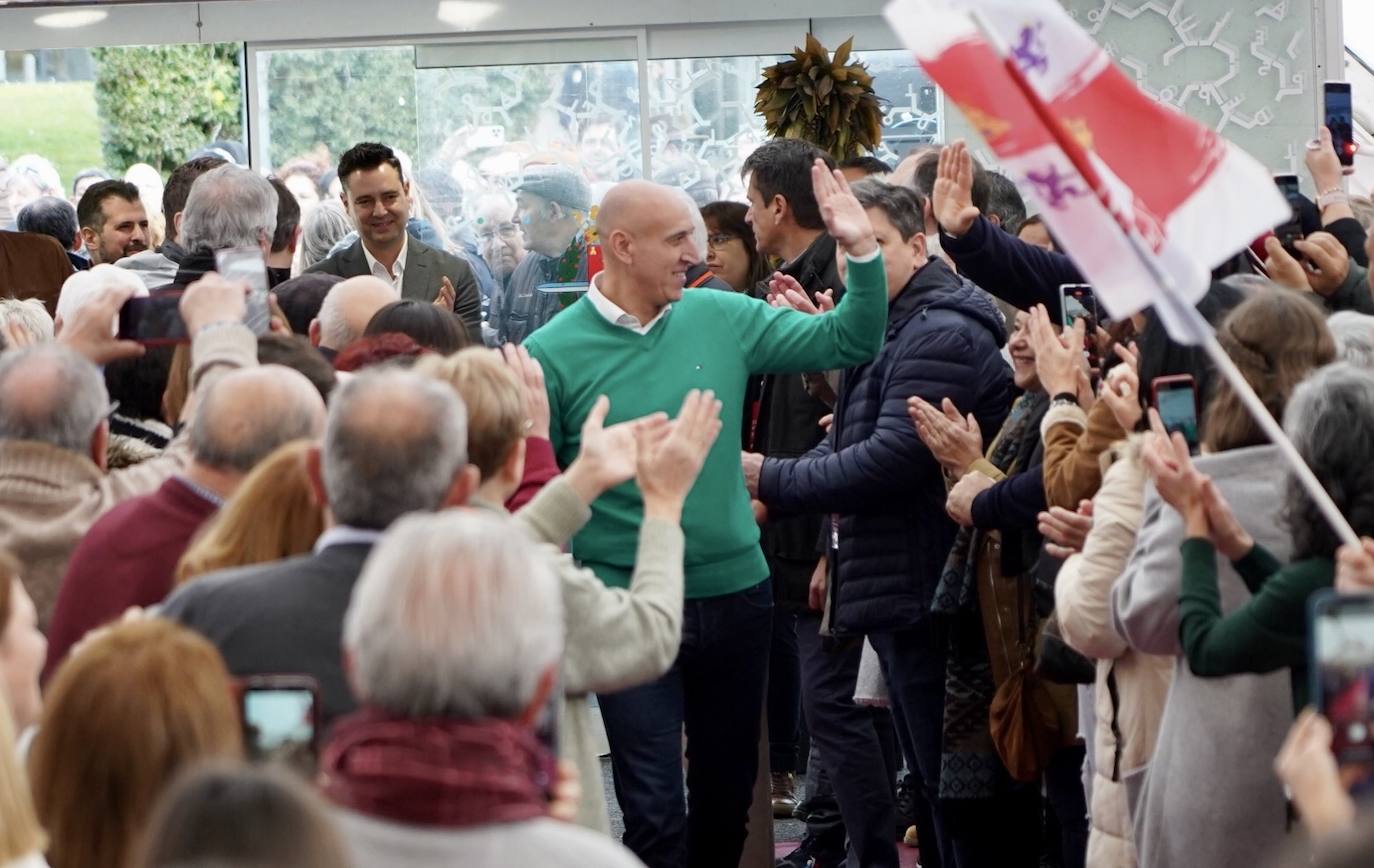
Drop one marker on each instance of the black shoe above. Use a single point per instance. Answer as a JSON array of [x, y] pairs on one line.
[[906, 805], [811, 854]]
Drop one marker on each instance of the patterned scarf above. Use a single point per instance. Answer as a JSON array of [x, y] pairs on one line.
[[436, 772]]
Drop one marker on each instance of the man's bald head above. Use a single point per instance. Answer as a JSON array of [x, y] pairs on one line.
[[630, 205], [647, 234], [51, 394], [250, 412], [348, 308]]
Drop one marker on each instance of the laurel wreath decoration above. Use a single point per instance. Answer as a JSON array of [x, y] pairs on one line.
[[825, 100]]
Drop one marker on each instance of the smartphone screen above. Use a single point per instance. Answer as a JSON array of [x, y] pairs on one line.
[[153, 320], [1291, 229], [279, 723], [1340, 120], [248, 265], [1176, 401], [1342, 673]]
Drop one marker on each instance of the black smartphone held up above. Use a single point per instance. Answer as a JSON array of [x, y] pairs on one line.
[[281, 719], [153, 320], [249, 265], [1077, 301], [1291, 229], [1175, 398], [1341, 668], [1340, 120]]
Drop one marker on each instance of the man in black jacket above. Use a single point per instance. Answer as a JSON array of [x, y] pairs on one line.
[[889, 535]]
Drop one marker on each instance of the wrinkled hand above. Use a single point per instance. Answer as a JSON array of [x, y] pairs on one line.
[[608, 456], [90, 332], [959, 505], [1059, 361], [752, 464], [820, 581], [213, 299], [531, 375], [1323, 164], [1064, 530], [667, 466], [956, 441], [1355, 567], [1121, 389], [952, 197], [1227, 535], [1309, 771], [446, 297], [845, 219], [1327, 263], [1169, 464]]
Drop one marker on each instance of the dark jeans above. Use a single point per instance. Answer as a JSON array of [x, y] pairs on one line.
[[849, 739], [913, 662], [784, 694], [1001, 832], [1064, 792], [715, 689]]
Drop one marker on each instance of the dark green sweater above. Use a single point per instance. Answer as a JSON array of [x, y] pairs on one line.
[[707, 340], [1268, 632]]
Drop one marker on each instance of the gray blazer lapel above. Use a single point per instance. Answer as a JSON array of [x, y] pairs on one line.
[[416, 282]]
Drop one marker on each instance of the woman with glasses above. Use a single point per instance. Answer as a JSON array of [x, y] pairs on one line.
[[730, 249]]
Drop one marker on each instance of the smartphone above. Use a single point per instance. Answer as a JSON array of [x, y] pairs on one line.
[[1175, 398], [1076, 301], [153, 320], [1290, 230], [281, 719], [1341, 669], [1340, 120], [249, 265]]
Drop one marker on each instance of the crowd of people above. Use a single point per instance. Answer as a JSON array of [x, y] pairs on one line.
[[830, 467]]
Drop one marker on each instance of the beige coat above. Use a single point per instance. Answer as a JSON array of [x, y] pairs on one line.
[[616, 637], [1131, 686], [50, 497]]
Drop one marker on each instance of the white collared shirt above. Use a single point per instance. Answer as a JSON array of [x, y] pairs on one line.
[[342, 534], [379, 270], [613, 314]]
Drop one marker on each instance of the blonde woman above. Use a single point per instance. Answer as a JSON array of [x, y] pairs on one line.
[[272, 515]]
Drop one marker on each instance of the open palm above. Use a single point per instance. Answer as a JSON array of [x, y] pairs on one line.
[[845, 219]]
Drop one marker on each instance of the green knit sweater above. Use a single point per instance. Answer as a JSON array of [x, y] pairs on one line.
[[1268, 632], [707, 340]]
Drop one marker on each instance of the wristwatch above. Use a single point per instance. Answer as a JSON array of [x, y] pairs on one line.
[[1064, 399]]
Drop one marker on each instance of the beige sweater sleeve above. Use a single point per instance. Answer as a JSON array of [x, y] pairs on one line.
[[1083, 589]]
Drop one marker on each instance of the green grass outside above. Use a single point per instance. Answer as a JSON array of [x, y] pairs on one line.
[[55, 120]]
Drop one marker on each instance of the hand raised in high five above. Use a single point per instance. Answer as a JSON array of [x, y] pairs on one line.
[[531, 375], [952, 197], [608, 455], [668, 466], [845, 219]]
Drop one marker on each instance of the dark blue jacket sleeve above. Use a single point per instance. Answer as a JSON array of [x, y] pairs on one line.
[[1020, 274], [1012, 503]]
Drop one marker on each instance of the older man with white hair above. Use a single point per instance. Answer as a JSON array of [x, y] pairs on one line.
[[346, 311], [228, 206], [454, 638]]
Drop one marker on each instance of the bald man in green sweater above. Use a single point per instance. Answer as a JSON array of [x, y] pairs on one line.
[[638, 338]]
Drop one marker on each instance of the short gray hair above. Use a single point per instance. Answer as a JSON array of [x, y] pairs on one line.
[[393, 443], [51, 394], [324, 228], [229, 206], [1354, 334], [904, 207], [29, 313], [456, 615], [246, 415]]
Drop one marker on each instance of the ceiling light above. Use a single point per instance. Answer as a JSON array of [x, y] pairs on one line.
[[71, 18], [465, 14]]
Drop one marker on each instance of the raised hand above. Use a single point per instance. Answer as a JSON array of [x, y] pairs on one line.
[[1355, 567], [956, 441], [1327, 262], [531, 375], [1232, 540], [446, 297], [845, 219], [91, 333], [607, 457], [1059, 361], [1282, 268], [1121, 389], [785, 291], [952, 198], [667, 467], [1309, 772], [212, 299], [1169, 464]]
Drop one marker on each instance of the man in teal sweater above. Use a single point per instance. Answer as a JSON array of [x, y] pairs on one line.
[[638, 338]]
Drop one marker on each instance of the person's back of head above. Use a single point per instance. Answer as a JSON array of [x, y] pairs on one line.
[[53, 217], [250, 412], [1276, 338], [1354, 335], [782, 168], [270, 516], [864, 167], [229, 206], [347, 309], [301, 297], [28, 313], [178, 188], [295, 352], [325, 227], [138, 385], [51, 394], [122, 716], [238, 815], [288, 217], [455, 616], [495, 403], [83, 286], [1005, 205], [374, 470], [428, 325], [927, 166]]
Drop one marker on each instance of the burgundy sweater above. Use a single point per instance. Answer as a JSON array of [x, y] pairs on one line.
[[127, 558]]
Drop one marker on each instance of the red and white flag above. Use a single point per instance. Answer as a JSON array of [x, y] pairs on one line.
[[1188, 196]]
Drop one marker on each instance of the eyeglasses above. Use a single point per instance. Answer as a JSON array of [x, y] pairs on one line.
[[720, 239], [508, 231]]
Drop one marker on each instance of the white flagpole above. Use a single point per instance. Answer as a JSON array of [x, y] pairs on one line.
[[1181, 311]]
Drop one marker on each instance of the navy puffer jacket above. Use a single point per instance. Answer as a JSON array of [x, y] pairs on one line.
[[943, 341]]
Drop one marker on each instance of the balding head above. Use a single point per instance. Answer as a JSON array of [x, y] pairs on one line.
[[51, 394], [646, 232], [348, 308], [250, 412]]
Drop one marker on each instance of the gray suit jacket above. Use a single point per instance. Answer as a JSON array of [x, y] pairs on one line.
[[425, 270]]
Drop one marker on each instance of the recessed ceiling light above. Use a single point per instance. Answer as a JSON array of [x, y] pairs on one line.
[[71, 18], [466, 13]]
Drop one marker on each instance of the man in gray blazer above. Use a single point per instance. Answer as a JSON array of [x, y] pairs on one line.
[[376, 196]]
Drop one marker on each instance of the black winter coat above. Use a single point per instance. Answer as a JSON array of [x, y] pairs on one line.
[[943, 341]]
